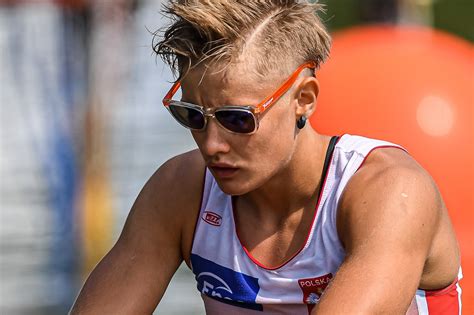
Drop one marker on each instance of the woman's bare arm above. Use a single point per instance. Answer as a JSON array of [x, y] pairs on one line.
[[133, 276]]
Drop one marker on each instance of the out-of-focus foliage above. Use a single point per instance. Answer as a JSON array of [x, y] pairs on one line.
[[454, 16]]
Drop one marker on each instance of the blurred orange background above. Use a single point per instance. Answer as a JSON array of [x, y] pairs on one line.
[[413, 86]]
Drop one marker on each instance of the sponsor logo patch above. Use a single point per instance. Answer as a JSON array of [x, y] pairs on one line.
[[224, 284], [212, 218]]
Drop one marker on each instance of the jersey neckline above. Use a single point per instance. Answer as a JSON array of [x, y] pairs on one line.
[[324, 175]]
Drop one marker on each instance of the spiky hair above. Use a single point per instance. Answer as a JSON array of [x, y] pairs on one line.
[[265, 35]]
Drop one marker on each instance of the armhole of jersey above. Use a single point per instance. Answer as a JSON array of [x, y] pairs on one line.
[[205, 193], [385, 146], [380, 146]]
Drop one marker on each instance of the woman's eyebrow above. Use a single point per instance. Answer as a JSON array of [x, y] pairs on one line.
[[226, 104]]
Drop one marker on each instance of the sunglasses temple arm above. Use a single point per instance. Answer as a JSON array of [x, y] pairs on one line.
[[284, 87], [171, 93]]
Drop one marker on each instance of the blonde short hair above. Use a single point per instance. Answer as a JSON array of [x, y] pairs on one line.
[[265, 35]]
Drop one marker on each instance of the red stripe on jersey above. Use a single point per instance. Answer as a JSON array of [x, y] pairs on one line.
[[444, 301]]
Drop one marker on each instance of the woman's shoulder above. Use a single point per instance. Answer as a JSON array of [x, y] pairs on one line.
[[177, 188]]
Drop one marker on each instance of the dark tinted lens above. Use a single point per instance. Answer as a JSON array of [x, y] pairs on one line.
[[236, 120], [189, 117]]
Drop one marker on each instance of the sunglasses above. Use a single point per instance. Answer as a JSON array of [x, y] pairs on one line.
[[235, 119]]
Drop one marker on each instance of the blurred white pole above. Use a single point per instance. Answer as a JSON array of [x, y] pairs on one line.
[[109, 61], [416, 12]]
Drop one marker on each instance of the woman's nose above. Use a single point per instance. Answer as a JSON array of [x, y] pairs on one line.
[[213, 140]]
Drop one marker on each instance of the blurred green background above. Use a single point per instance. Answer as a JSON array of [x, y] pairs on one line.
[[453, 16]]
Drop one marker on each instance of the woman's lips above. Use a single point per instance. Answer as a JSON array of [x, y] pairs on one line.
[[223, 171]]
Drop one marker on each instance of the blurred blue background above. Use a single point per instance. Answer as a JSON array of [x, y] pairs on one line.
[[82, 129]]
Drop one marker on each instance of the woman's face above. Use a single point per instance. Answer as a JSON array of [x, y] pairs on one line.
[[242, 163]]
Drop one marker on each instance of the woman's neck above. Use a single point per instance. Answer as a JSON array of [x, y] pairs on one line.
[[294, 187]]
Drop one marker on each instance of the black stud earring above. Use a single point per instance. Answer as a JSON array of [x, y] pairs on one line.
[[301, 122]]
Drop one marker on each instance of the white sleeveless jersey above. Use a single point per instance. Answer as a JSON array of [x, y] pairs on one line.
[[231, 281]]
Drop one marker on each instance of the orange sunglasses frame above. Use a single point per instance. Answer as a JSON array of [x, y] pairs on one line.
[[267, 102]]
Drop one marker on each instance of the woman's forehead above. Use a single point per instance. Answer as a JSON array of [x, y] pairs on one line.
[[230, 82], [241, 73]]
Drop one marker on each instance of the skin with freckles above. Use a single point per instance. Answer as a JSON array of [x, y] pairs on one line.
[[389, 205]]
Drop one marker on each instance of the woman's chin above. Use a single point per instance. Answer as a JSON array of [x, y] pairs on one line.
[[234, 187]]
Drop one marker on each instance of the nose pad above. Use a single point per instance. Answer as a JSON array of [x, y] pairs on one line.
[[213, 129], [214, 140], [212, 120]]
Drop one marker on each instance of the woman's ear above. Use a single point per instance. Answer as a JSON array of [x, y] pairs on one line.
[[306, 96]]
